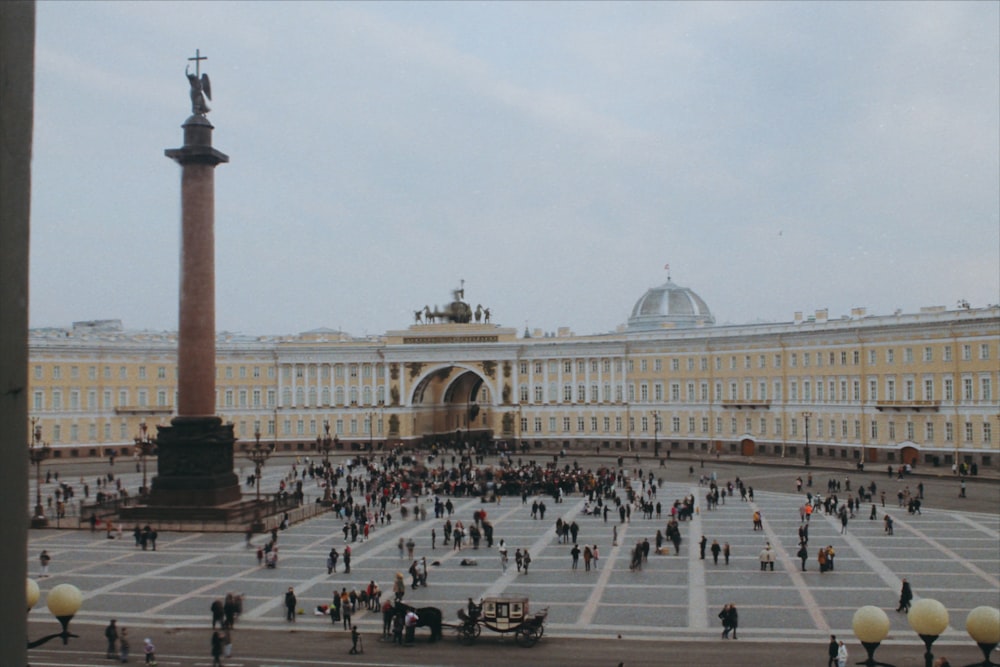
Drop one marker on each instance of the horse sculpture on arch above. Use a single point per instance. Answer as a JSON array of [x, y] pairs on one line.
[[458, 311]]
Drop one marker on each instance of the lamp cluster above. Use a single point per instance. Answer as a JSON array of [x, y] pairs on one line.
[[63, 601], [929, 618]]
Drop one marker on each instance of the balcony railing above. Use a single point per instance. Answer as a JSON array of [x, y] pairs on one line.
[[144, 410], [917, 406], [749, 404]]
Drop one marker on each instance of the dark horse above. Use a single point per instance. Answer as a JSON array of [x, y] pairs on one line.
[[429, 617]]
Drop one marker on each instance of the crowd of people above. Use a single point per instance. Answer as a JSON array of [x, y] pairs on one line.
[[368, 492]]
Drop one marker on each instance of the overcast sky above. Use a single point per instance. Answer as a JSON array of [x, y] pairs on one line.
[[781, 157]]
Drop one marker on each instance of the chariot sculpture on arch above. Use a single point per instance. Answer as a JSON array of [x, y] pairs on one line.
[[201, 87]]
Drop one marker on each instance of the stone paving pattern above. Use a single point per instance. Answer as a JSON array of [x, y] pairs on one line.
[[949, 554]]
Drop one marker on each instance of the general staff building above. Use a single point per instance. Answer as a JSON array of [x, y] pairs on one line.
[[912, 388]]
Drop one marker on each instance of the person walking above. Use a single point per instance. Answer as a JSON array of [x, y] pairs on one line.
[[831, 650], [734, 618], [905, 597], [44, 559], [123, 645], [218, 613], [345, 611], [764, 556], [575, 553], [290, 602], [715, 549], [216, 648], [724, 617], [149, 650], [398, 587], [227, 642], [388, 611], [111, 634], [842, 655], [410, 622], [725, 552], [525, 560], [803, 554], [701, 547], [355, 639]]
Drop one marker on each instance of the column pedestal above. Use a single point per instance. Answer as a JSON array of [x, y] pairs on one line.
[[195, 464]]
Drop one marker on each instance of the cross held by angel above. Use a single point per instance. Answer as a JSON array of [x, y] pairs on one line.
[[201, 87]]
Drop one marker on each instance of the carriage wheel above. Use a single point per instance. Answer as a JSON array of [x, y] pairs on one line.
[[467, 633], [528, 637]]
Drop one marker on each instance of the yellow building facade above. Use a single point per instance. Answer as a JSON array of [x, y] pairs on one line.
[[916, 388]]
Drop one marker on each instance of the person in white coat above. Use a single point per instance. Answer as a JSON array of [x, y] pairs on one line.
[[842, 655]]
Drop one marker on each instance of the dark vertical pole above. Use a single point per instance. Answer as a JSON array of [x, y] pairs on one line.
[[17, 90]]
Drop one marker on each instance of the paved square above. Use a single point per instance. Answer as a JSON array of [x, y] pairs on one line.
[[947, 554]]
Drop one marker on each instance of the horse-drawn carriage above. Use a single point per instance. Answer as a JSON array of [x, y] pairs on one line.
[[503, 615]]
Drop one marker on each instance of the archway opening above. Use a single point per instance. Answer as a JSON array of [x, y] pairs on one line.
[[451, 403]]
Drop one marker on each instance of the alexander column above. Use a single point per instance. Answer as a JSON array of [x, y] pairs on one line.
[[195, 453]]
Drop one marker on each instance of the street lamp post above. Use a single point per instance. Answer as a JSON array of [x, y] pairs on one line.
[[930, 619], [983, 625], [871, 626], [259, 456], [806, 415], [628, 428], [326, 443], [144, 446], [38, 451], [656, 433], [63, 601]]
